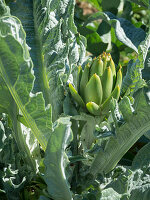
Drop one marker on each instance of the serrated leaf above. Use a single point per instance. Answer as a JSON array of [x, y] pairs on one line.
[[133, 78], [57, 33], [56, 160]]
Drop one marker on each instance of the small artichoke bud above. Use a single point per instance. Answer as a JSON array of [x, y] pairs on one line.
[[107, 83], [119, 78], [113, 69], [97, 67], [76, 96], [93, 108], [93, 90], [84, 80]]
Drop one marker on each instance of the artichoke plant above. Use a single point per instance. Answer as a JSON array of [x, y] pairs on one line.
[[97, 84]]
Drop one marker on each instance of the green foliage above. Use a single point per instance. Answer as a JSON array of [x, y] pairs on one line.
[[53, 146]]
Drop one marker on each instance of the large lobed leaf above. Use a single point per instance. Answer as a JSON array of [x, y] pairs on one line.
[[54, 43], [16, 70], [57, 33]]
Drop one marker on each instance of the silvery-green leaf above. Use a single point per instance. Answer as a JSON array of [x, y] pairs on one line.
[[57, 32], [132, 81], [139, 183], [132, 184], [33, 146], [56, 160]]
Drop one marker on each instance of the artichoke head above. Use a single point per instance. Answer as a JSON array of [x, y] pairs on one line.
[[97, 84]]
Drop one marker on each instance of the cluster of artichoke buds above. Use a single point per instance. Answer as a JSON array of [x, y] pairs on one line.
[[97, 84]]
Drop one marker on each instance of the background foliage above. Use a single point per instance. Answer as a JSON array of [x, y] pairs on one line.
[[49, 148]]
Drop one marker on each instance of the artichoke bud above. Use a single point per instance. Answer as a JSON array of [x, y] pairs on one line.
[[107, 83], [76, 96], [97, 85], [79, 75], [93, 108], [84, 80], [93, 90], [97, 67], [113, 69], [119, 78]]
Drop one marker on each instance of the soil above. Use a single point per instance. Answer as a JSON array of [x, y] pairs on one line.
[[87, 8]]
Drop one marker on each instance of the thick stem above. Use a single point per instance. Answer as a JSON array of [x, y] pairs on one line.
[[21, 143], [75, 137]]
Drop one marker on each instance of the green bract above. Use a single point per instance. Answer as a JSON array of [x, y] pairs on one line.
[[97, 84]]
